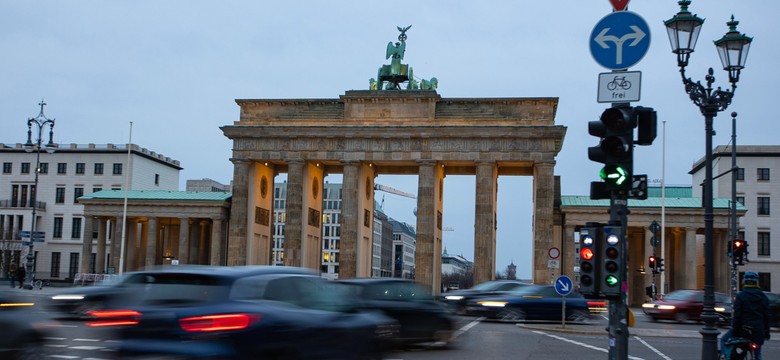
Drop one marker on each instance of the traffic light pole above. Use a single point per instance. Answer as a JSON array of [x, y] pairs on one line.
[[618, 311]]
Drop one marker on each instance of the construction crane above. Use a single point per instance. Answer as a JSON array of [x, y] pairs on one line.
[[391, 190]]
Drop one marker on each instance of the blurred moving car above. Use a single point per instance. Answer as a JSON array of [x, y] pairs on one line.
[[774, 307], [77, 302], [24, 329], [456, 300], [253, 312], [534, 303], [420, 317], [685, 305]]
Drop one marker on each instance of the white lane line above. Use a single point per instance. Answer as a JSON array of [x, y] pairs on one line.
[[662, 355], [580, 344]]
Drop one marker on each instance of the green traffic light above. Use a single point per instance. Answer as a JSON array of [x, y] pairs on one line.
[[613, 174], [611, 280]]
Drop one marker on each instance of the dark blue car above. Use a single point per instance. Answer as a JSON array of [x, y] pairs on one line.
[[254, 312], [534, 303]]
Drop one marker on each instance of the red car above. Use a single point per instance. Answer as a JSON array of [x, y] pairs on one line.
[[684, 305]]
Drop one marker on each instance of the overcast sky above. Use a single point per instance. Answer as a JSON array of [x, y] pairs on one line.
[[174, 69]]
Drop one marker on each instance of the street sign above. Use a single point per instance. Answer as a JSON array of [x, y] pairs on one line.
[[553, 253], [621, 86], [563, 285], [553, 264], [619, 5], [620, 40]]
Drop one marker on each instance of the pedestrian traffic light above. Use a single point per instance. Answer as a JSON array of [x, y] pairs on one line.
[[589, 260], [652, 262], [660, 265], [611, 262], [647, 125], [615, 150]]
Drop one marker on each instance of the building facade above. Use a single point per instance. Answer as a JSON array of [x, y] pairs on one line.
[[68, 173], [759, 192]]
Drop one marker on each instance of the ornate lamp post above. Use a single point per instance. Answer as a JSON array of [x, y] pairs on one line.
[[40, 121], [683, 30]]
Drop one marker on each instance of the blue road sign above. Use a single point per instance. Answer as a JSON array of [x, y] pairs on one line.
[[563, 285], [620, 40]]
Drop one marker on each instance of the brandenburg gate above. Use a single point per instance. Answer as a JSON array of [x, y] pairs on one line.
[[387, 130]]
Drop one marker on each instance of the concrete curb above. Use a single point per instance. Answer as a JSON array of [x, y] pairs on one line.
[[586, 329]]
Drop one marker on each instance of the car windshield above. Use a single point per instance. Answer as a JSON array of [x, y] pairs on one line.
[[397, 291], [174, 289], [682, 296], [488, 286]]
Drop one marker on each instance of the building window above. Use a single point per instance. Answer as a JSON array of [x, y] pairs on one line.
[[740, 173], [59, 195], [80, 168], [25, 168], [62, 168], [157, 179], [77, 193], [741, 200], [57, 231], [763, 205], [7, 168], [54, 272], [43, 168], [763, 243], [98, 168], [73, 266], [75, 231], [118, 169], [96, 189], [762, 174]]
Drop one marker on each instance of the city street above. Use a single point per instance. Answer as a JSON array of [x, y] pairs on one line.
[[476, 339]]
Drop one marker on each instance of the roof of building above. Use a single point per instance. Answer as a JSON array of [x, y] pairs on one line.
[[160, 195], [401, 227], [680, 197]]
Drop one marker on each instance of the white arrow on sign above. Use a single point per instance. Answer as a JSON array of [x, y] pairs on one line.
[[564, 285], [602, 39]]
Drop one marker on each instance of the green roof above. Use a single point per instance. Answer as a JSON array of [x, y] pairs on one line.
[[651, 202], [159, 195]]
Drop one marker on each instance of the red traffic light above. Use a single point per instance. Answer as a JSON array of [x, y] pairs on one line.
[[738, 244], [586, 253], [653, 261]]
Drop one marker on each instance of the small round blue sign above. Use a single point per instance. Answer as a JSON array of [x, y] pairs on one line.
[[563, 285], [620, 40]]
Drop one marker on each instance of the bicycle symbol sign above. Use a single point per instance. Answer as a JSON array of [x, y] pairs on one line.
[[619, 86]]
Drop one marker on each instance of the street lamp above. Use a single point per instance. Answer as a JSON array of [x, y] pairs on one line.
[[683, 30], [40, 121]]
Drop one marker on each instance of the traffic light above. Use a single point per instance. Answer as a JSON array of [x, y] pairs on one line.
[[615, 150], [647, 125], [652, 262], [611, 262], [589, 260], [739, 252], [660, 265]]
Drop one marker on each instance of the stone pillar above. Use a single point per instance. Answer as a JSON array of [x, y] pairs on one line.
[[116, 244], [544, 193], [131, 246], [239, 218], [294, 208], [485, 222], [311, 209], [569, 253], [100, 257], [86, 245], [184, 240], [216, 242], [429, 227], [691, 267], [349, 220], [261, 205], [151, 243], [202, 240], [649, 250]]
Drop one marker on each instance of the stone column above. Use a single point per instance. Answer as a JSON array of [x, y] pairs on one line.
[[151, 243], [485, 222], [131, 246], [293, 226], [202, 236], [216, 242], [100, 257], [86, 245], [239, 220], [691, 268], [544, 193], [184, 240], [427, 259], [116, 244], [349, 220], [649, 250]]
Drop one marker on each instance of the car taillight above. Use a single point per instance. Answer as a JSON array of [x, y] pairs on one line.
[[104, 318], [221, 322]]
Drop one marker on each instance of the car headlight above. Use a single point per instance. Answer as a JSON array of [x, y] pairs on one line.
[[68, 297], [720, 309], [648, 305], [454, 297], [666, 307], [492, 303]]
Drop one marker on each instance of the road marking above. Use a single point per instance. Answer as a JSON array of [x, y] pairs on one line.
[[652, 348], [580, 344]]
